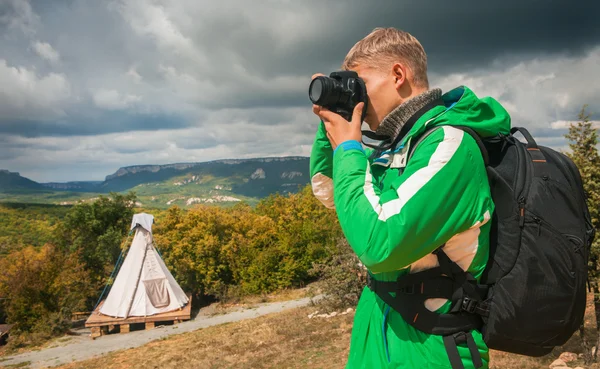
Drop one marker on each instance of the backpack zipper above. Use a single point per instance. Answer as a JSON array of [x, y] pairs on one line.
[[522, 211], [526, 167], [539, 223]]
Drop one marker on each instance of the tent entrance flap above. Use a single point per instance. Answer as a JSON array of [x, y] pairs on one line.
[[157, 292]]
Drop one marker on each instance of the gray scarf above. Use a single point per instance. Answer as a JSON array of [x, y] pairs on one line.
[[392, 124]]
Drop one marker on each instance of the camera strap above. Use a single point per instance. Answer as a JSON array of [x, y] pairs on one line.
[[387, 141]]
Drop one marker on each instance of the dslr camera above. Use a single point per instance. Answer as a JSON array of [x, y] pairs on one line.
[[340, 93]]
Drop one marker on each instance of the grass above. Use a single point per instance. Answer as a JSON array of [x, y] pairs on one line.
[[283, 340], [284, 295]]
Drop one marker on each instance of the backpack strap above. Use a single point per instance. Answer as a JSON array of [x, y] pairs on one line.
[[451, 342], [407, 295], [540, 165]]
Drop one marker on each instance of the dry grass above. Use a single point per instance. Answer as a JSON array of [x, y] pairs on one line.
[[250, 302], [283, 340], [253, 300]]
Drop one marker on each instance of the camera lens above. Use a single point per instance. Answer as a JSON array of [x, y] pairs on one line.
[[315, 91], [326, 91]]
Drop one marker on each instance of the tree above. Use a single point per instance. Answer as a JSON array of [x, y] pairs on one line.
[[95, 231], [584, 154], [42, 288], [225, 252]]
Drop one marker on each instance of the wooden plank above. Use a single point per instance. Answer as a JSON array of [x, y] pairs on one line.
[[96, 332], [149, 325], [125, 328], [98, 320]]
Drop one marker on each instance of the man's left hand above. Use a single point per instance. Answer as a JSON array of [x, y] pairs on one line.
[[339, 129]]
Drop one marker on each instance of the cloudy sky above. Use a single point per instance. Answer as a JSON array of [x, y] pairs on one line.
[[88, 86]]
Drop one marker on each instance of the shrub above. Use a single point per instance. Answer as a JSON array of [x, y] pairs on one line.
[[342, 278]]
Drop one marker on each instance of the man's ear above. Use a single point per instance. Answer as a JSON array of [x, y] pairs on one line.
[[399, 73]]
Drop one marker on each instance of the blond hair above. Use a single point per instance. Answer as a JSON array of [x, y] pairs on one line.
[[384, 46]]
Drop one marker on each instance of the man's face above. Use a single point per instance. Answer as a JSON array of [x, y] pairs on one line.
[[381, 89]]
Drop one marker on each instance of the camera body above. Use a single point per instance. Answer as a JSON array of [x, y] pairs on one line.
[[340, 93]]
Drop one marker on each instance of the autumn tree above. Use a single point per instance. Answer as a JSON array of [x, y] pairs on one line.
[[240, 250], [41, 289]]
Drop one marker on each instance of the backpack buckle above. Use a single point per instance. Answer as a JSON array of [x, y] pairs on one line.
[[469, 305]]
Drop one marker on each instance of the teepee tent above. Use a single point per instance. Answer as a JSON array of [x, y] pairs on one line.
[[144, 286]]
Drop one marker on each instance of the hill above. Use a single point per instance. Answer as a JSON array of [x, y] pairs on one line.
[[248, 177], [12, 182], [184, 184]]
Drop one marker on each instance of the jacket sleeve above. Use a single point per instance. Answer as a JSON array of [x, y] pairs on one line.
[[321, 168], [436, 197]]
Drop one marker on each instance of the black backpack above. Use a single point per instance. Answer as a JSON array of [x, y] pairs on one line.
[[532, 294]]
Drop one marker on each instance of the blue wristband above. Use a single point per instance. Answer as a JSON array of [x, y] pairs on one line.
[[349, 145]]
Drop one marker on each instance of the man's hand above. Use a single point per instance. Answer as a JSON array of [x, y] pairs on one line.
[[338, 128]]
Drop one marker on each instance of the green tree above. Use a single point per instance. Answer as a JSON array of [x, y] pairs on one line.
[[95, 231], [584, 153]]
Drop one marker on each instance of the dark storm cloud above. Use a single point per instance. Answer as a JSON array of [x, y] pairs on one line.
[[456, 35], [214, 57], [461, 35], [202, 79]]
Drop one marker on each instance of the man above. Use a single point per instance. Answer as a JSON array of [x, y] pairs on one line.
[[395, 212]]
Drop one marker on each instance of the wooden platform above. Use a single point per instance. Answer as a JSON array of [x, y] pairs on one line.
[[101, 324]]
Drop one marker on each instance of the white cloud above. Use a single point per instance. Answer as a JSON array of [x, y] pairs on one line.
[[46, 51], [224, 135], [113, 100], [25, 95], [133, 74], [537, 92]]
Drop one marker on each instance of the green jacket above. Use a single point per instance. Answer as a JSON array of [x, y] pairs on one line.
[[394, 214]]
